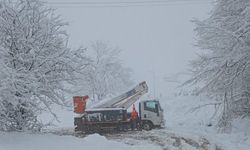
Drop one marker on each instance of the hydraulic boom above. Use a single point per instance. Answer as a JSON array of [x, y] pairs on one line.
[[127, 99]]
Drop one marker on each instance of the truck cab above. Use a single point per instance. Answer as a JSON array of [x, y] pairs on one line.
[[151, 114]]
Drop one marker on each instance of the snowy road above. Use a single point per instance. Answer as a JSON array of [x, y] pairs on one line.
[[167, 140]]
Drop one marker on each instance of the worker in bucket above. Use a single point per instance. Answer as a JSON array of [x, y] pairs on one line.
[[134, 118]]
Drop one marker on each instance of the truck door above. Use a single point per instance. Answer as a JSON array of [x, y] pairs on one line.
[[150, 110]]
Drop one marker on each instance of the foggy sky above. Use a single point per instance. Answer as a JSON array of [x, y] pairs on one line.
[[156, 41]]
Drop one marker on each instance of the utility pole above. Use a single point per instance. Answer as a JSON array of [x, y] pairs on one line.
[[153, 81]]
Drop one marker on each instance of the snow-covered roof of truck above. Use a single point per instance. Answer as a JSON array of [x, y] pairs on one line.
[[146, 100], [103, 109]]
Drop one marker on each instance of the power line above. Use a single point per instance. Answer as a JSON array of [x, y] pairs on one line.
[[122, 2], [126, 3]]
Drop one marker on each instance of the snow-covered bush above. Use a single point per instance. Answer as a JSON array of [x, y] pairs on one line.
[[224, 66], [35, 63]]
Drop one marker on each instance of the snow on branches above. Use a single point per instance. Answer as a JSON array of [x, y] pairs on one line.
[[224, 67], [35, 62], [105, 76]]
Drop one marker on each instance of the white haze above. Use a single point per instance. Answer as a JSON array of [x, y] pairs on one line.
[[156, 41]]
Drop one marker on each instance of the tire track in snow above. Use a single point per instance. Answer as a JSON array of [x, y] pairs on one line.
[[166, 139]]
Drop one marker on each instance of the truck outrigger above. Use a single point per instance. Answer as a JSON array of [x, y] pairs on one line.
[[112, 115]]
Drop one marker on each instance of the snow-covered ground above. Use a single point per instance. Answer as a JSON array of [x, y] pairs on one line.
[[182, 118], [186, 129], [185, 121], [24, 141]]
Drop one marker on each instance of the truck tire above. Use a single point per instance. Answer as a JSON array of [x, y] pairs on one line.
[[147, 125]]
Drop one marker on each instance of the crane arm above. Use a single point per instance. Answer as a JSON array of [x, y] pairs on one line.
[[127, 99]]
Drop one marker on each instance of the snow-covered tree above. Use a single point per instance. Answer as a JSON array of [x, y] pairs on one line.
[[35, 63], [224, 67], [105, 76]]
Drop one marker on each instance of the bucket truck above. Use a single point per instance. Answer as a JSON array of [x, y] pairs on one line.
[[112, 115]]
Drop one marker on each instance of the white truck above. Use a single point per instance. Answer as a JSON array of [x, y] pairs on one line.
[[112, 115]]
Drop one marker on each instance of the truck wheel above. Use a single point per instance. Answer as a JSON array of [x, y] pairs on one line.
[[147, 126]]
